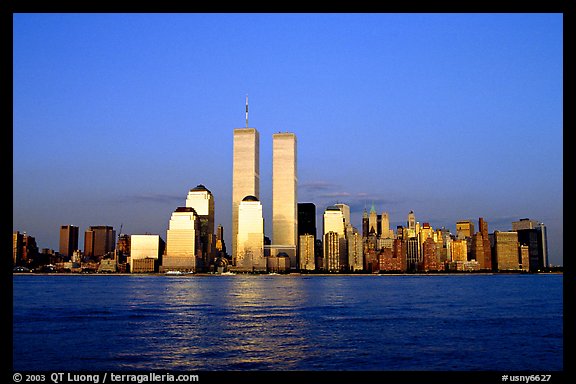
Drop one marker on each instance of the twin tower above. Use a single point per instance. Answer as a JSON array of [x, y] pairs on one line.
[[248, 250]]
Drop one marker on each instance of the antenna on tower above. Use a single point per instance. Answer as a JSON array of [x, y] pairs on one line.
[[246, 111]]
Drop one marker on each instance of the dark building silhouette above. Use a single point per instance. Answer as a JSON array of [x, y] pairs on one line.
[[533, 235], [68, 240], [307, 219]]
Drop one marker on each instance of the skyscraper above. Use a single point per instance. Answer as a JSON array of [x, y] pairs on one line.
[[307, 219], [68, 240], [99, 241], [533, 234], [202, 200], [284, 194], [245, 172], [250, 238], [334, 237], [182, 240]]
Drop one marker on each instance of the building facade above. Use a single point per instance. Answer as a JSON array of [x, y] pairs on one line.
[[146, 253], [182, 240], [68, 240], [250, 239], [99, 241], [202, 200], [245, 174], [284, 194]]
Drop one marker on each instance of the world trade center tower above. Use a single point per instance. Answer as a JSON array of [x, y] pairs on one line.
[[284, 195], [245, 174]]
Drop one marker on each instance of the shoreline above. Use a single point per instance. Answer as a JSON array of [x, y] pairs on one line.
[[295, 274]]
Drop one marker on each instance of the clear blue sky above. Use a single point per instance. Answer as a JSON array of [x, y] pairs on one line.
[[453, 116]]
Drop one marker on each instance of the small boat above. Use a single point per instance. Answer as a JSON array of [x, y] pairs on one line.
[[227, 273], [174, 273]]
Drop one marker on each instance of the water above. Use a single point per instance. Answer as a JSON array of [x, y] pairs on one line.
[[505, 322]]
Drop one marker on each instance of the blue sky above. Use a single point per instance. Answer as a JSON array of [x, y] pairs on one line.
[[454, 116]]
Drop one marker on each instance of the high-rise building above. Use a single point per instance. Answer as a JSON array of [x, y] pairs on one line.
[[411, 222], [485, 258], [68, 240], [334, 249], [355, 250], [99, 241], [307, 254], [250, 239], [307, 219], [333, 220], [464, 229], [373, 222], [385, 230], [284, 195], [202, 200], [145, 252], [506, 250], [220, 244], [533, 234], [345, 208], [245, 173], [182, 240], [335, 254]]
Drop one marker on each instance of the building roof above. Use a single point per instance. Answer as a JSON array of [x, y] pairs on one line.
[[250, 198], [200, 188], [185, 209]]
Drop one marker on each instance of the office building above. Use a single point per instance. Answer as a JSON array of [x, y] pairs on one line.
[[506, 250], [284, 195], [533, 234], [307, 219], [464, 229], [355, 249], [345, 208], [202, 200], [250, 239], [68, 240], [245, 174], [99, 241], [145, 253], [182, 241], [306, 252]]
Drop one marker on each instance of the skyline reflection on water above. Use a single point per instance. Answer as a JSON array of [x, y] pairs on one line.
[[453, 322]]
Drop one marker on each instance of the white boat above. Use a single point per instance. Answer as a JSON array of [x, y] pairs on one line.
[[227, 273], [174, 273]]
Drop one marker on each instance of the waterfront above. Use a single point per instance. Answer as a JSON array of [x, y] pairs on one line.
[[289, 322]]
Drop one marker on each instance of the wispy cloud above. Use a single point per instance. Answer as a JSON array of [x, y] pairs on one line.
[[314, 186], [151, 198]]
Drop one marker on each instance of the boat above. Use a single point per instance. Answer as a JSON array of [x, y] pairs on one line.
[[174, 273], [228, 273]]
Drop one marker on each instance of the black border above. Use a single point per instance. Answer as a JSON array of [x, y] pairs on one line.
[[566, 7]]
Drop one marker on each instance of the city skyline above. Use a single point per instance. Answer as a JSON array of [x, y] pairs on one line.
[[453, 117]]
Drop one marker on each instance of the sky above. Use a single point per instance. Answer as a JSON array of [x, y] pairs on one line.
[[454, 116]]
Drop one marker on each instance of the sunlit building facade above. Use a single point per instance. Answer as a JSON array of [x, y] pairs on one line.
[[307, 255], [284, 194], [182, 239], [506, 250], [202, 200], [245, 174], [250, 239], [145, 252]]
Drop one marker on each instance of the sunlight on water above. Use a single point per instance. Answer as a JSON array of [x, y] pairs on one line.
[[280, 322]]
